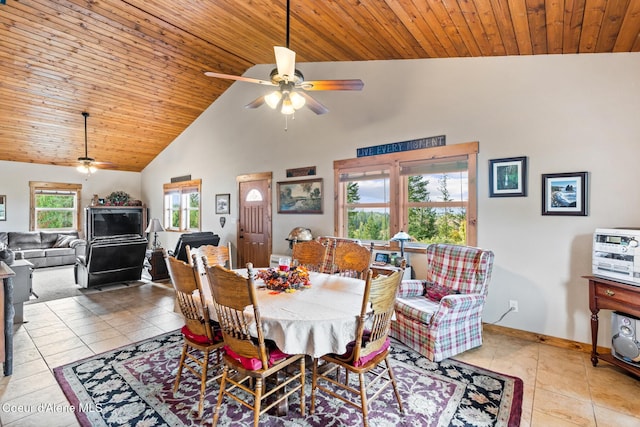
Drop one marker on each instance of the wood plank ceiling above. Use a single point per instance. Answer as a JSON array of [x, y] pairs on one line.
[[137, 66]]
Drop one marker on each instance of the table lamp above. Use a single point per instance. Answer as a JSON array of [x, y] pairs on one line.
[[154, 227], [401, 237]]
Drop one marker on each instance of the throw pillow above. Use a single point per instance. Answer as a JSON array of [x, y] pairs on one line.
[[63, 241], [436, 292]]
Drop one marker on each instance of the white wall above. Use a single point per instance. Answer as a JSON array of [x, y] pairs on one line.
[[566, 113], [15, 177]]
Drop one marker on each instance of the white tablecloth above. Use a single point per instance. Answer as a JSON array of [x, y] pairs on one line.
[[313, 321]]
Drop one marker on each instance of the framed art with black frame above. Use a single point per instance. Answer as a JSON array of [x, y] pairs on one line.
[[222, 203], [3, 208], [508, 177], [565, 194]]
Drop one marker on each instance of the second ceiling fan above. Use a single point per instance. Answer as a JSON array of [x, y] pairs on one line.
[[291, 93]]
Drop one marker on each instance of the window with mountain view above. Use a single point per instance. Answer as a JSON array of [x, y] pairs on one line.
[[427, 197]]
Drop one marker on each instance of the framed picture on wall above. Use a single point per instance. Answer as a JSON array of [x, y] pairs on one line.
[[565, 194], [222, 203], [3, 208], [508, 177], [304, 196]]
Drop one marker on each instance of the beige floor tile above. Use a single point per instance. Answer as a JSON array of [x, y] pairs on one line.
[[102, 335], [563, 408], [109, 344], [143, 334], [64, 357], [608, 418], [70, 343], [17, 387], [541, 419], [58, 336], [573, 386], [42, 403]]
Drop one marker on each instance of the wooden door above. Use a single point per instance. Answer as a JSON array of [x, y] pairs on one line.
[[254, 222]]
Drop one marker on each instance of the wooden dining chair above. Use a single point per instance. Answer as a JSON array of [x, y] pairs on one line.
[[311, 254], [351, 259], [202, 337], [253, 358], [367, 355], [215, 255]]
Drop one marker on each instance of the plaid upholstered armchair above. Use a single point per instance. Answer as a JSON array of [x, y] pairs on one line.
[[442, 316]]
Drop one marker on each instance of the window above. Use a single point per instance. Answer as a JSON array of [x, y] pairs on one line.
[[54, 206], [182, 206], [430, 194]]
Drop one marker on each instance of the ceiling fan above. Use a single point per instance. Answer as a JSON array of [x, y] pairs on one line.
[[291, 93], [88, 164]]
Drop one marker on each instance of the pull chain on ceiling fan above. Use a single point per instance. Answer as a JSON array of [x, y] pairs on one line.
[[291, 93]]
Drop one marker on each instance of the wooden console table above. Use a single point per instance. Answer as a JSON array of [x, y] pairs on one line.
[[612, 295]]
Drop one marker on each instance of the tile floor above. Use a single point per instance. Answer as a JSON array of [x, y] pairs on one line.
[[561, 388]]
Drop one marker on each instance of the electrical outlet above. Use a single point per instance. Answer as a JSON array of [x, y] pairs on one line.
[[513, 304]]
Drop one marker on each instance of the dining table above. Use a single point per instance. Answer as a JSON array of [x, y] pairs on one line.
[[314, 320]]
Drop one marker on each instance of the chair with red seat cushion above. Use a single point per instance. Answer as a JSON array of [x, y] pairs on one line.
[[367, 356], [247, 355], [201, 336]]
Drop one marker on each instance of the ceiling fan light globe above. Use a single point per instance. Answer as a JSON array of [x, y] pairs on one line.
[[287, 106], [297, 100], [273, 99]]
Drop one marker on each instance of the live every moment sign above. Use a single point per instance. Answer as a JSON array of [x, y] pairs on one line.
[[396, 147]]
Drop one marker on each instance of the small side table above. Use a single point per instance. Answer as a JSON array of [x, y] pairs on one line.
[[22, 287], [158, 270]]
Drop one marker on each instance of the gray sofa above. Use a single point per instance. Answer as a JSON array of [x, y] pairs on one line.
[[45, 248]]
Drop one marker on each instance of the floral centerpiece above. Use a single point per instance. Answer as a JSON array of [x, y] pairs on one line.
[[285, 281]]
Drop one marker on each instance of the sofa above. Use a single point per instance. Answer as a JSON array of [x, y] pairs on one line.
[[110, 260], [442, 316], [44, 248]]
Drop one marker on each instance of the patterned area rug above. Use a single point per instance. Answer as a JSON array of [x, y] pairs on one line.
[[132, 386]]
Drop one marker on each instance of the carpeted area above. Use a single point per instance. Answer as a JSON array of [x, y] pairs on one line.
[[52, 283], [133, 386]]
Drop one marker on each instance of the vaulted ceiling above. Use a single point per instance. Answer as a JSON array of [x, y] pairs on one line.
[[137, 66]]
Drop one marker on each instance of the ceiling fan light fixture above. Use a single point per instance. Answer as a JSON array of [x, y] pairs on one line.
[[87, 169], [273, 99], [297, 100], [287, 106]]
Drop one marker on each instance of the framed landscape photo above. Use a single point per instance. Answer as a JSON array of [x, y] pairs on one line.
[[565, 194], [222, 203], [304, 196], [3, 208], [508, 177]]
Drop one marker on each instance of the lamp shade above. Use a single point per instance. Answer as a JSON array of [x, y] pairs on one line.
[[401, 236], [154, 226]]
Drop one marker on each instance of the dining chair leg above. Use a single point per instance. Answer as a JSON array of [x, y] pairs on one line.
[[203, 381], [257, 402], [394, 384], [302, 393], [314, 384], [223, 384], [363, 401], [180, 365]]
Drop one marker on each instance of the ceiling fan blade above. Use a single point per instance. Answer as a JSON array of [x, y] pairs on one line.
[[314, 105], [285, 62], [239, 78], [255, 103], [349, 84]]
